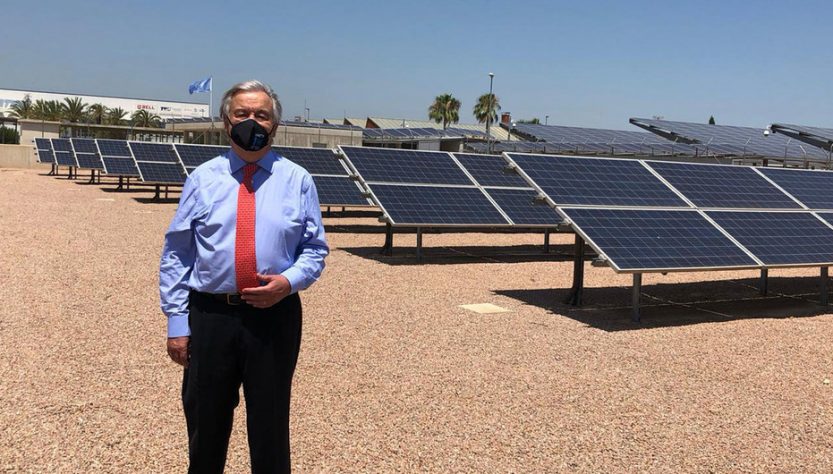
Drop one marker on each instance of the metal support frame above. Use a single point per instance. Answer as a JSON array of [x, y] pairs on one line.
[[574, 297], [547, 241], [636, 296], [419, 244], [54, 170], [387, 247], [823, 290], [764, 282]]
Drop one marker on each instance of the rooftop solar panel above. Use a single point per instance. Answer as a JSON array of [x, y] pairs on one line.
[[490, 170], [780, 238], [520, 205], [596, 181], [405, 166], [723, 186], [63, 152], [636, 240], [316, 161], [436, 206], [813, 188]]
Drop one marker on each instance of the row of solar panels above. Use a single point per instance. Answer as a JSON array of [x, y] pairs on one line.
[[616, 149], [416, 133], [169, 163], [639, 215]]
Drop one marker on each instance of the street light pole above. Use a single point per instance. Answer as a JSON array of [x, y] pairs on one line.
[[546, 119], [489, 118]]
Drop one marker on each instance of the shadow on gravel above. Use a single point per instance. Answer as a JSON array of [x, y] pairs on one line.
[[465, 254], [152, 200], [682, 304]]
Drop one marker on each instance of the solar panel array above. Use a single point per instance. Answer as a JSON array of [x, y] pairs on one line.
[[86, 154], [432, 188], [63, 152], [117, 159], [335, 185], [816, 136], [417, 133], [661, 216], [158, 162], [44, 147], [725, 139]]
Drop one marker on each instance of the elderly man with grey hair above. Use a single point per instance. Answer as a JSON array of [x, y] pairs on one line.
[[246, 237]]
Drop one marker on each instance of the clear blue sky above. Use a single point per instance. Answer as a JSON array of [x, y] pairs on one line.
[[589, 63]]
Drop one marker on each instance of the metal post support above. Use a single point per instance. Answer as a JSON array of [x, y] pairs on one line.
[[387, 248], [156, 194], [636, 296], [574, 298], [764, 282], [92, 177], [823, 287], [547, 241], [419, 244]]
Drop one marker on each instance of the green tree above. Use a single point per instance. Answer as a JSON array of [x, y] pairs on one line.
[[23, 108], [445, 110], [73, 109], [115, 116], [47, 110], [9, 135], [711, 120], [533, 120], [485, 110], [97, 113], [143, 118]]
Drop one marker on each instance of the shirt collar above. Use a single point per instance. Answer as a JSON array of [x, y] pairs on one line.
[[235, 162]]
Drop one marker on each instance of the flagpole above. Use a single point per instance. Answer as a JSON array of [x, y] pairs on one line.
[[211, 104]]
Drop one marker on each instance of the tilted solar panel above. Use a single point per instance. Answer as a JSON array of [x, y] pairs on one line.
[[405, 166], [339, 191], [153, 152], [44, 147], [813, 188], [723, 186], [520, 205], [596, 181], [636, 240], [195, 155], [113, 148], [490, 170], [780, 238], [315, 160], [63, 152], [86, 154], [161, 173], [116, 157], [430, 205]]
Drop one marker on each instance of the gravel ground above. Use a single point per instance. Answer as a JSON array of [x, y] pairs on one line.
[[393, 375]]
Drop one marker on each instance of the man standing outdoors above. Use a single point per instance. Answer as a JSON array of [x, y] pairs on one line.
[[246, 237]]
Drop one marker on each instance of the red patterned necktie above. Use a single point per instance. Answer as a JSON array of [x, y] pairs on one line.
[[245, 260]]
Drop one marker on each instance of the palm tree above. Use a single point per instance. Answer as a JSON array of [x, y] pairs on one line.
[[96, 113], [23, 108], [47, 110], [73, 109], [143, 118], [115, 116], [445, 109], [485, 110]]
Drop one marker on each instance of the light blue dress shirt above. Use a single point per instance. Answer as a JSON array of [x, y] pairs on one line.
[[199, 244]]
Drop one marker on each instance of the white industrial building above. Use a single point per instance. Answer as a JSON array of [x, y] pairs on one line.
[[165, 109]]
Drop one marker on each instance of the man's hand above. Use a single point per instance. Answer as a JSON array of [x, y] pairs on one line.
[[178, 350], [277, 287]]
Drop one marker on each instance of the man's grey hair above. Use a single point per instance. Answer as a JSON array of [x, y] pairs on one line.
[[250, 86]]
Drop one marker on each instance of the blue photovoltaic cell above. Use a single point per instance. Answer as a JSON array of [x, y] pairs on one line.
[[521, 207], [723, 186], [195, 155], [405, 166], [119, 166], [114, 148], [154, 152], [87, 154], [314, 160], [490, 170], [596, 181], [63, 152], [337, 191], [162, 173], [45, 154], [779, 238], [645, 239], [813, 188], [429, 205]]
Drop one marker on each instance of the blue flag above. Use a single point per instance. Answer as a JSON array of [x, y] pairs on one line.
[[200, 86]]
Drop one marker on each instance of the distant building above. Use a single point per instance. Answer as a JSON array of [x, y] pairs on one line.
[[165, 109]]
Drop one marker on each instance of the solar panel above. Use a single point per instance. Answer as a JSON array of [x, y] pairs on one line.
[[434, 205], [87, 154], [577, 135], [521, 207], [723, 186], [45, 154], [596, 181], [195, 155], [780, 238], [116, 157], [161, 173], [636, 240], [339, 191], [490, 170], [316, 161], [63, 152], [813, 188], [405, 166], [153, 152]]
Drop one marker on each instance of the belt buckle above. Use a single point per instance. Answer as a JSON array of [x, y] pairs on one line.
[[233, 299]]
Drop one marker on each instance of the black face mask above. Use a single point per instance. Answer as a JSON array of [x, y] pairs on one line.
[[249, 135]]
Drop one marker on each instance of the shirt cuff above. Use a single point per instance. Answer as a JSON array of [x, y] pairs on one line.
[[178, 326], [295, 277]]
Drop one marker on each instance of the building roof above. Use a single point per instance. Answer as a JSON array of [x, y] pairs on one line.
[[380, 122]]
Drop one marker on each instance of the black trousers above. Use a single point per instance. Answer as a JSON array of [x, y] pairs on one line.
[[233, 345]]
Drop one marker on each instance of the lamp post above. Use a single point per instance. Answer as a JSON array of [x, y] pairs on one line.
[[546, 119], [489, 118]]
